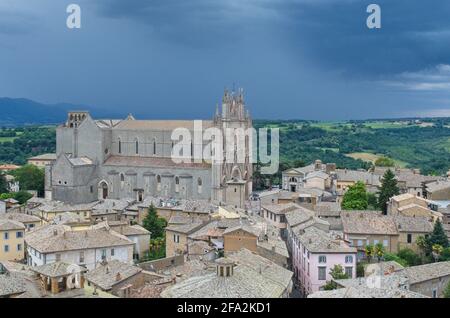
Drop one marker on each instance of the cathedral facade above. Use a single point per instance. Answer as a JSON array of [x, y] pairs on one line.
[[130, 158]]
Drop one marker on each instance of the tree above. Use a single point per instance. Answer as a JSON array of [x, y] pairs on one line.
[[447, 291], [411, 258], [30, 177], [379, 251], [369, 250], [337, 272], [372, 201], [384, 162], [436, 251], [153, 223], [356, 197], [3, 183], [387, 190], [438, 236], [22, 196]]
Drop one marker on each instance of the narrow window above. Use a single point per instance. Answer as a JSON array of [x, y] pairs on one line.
[[136, 145], [120, 146]]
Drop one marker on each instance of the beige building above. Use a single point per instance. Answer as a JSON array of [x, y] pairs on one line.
[[11, 240], [411, 205], [410, 228], [438, 190], [177, 237], [42, 160], [239, 237], [117, 278], [30, 221], [364, 228]]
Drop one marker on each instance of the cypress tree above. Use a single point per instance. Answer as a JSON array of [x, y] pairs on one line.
[[388, 189]]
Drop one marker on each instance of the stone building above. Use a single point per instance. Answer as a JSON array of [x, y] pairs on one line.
[[116, 159]]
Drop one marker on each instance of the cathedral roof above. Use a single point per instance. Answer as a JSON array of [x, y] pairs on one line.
[[151, 162], [161, 124]]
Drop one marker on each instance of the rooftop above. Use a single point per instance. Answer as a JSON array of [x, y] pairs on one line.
[[11, 284], [366, 292], [437, 185], [368, 222], [413, 224], [253, 277], [45, 156], [19, 217], [7, 225], [112, 273], [58, 269], [318, 241], [54, 238]]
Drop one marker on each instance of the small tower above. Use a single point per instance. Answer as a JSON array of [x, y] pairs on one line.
[[75, 118]]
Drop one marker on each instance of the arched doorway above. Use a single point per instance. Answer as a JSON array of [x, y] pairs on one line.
[[102, 190]]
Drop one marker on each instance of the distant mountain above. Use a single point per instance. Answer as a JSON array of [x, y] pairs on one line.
[[21, 111]]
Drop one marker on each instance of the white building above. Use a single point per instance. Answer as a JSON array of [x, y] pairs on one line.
[[87, 248]]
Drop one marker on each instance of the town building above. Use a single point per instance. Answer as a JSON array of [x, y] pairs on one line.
[[87, 248], [42, 160], [362, 228], [411, 205], [315, 253], [410, 228], [11, 240], [438, 190], [117, 278], [30, 221]]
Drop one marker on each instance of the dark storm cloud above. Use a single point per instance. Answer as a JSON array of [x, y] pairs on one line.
[[414, 34], [295, 58]]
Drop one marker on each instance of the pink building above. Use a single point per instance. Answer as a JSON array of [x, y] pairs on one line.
[[314, 253]]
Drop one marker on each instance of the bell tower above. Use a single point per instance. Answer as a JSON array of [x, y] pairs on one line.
[[232, 178]]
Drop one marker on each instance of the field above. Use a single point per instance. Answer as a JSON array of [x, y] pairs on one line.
[[414, 143]]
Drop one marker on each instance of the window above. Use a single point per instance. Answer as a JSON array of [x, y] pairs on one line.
[[6, 235], [349, 272], [176, 238], [58, 257], [177, 184], [158, 182], [6, 248], [91, 189], [435, 293], [409, 238], [348, 259], [120, 146], [154, 146], [103, 254], [322, 259], [19, 234], [112, 252], [385, 243], [360, 243], [136, 146], [19, 247], [199, 185], [375, 242], [322, 273], [81, 257]]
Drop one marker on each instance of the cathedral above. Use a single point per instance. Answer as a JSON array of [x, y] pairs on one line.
[[131, 158]]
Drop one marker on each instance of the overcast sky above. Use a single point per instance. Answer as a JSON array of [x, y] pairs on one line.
[[295, 59]]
